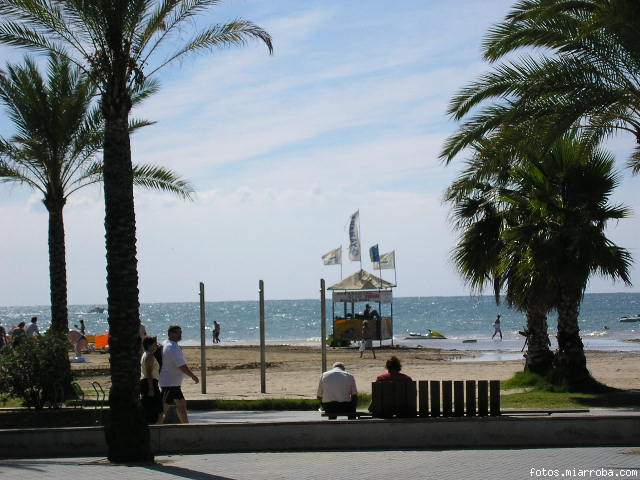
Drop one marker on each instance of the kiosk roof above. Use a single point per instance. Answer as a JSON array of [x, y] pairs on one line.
[[362, 281]]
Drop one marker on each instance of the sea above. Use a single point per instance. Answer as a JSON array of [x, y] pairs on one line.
[[465, 321]]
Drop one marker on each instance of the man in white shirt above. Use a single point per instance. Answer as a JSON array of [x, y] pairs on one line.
[[173, 370], [32, 330], [337, 392]]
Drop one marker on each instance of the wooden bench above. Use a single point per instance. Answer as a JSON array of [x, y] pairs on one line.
[[393, 399], [436, 398], [350, 416]]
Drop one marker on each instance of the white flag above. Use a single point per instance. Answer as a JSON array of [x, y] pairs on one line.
[[387, 261], [334, 257], [354, 239]]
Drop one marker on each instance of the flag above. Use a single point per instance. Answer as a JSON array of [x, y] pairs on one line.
[[354, 237], [374, 253], [334, 257], [387, 261]]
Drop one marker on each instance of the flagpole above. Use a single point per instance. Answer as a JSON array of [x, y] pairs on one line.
[[341, 262], [360, 239], [395, 280]]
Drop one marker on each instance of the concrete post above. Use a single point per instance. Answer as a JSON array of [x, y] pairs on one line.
[[263, 373]]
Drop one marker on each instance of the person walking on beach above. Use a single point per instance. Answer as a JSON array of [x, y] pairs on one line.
[[337, 392], [32, 330], [216, 332], [174, 368], [496, 328], [366, 341], [149, 388]]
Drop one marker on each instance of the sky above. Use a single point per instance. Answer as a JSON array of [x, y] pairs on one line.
[[349, 113]]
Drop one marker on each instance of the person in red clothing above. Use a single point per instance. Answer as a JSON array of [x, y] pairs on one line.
[[393, 374]]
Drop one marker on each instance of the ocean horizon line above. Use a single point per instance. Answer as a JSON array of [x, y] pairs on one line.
[[180, 302]]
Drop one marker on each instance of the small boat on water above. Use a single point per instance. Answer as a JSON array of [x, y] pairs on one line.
[[630, 318], [96, 310], [430, 335]]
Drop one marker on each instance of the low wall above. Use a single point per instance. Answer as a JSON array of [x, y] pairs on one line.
[[496, 432]]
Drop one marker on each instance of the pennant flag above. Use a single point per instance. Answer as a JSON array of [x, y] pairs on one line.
[[374, 253], [334, 257], [387, 261], [354, 238]]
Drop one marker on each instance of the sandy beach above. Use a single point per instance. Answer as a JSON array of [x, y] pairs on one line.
[[233, 372]]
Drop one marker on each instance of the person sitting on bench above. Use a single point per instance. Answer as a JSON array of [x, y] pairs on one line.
[[337, 392], [393, 374]]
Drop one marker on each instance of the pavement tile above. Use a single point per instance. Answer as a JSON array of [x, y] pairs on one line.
[[400, 465]]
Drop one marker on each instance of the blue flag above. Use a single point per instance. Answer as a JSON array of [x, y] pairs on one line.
[[374, 253]]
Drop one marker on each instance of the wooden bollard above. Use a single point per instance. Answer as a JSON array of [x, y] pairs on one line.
[[494, 398], [412, 395], [483, 398], [458, 398], [447, 396], [471, 398], [423, 401], [434, 386]]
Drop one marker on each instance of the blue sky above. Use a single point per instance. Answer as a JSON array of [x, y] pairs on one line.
[[349, 113]]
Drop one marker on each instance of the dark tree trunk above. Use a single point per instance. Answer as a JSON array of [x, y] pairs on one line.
[[570, 363], [58, 283], [127, 432], [539, 356], [57, 265]]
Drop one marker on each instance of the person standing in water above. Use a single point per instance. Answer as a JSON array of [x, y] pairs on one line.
[[496, 328]]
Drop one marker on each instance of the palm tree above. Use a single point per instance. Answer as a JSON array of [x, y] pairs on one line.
[[565, 192], [60, 133], [533, 222], [485, 253], [118, 44], [588, 75]]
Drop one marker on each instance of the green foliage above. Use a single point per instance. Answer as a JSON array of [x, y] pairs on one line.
[[364, 399], [8, 402], [584, 74], [34, 371], [540, 399], [529, 380], [57, 113]]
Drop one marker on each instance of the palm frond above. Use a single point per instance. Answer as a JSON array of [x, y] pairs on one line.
[[236, 33], [154, 177]]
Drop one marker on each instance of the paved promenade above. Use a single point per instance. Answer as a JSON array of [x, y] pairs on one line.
[[400, 465], [222, 416]]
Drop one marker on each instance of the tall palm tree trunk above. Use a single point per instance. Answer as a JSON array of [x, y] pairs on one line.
[[127, 433], [570, 363], [58, 284], [57, 265], [539, 356]]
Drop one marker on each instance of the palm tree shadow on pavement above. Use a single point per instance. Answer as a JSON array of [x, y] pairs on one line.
[[184, 472], [629, 399]]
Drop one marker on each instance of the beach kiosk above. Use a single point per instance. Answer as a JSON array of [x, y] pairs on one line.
[[361, 288]]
